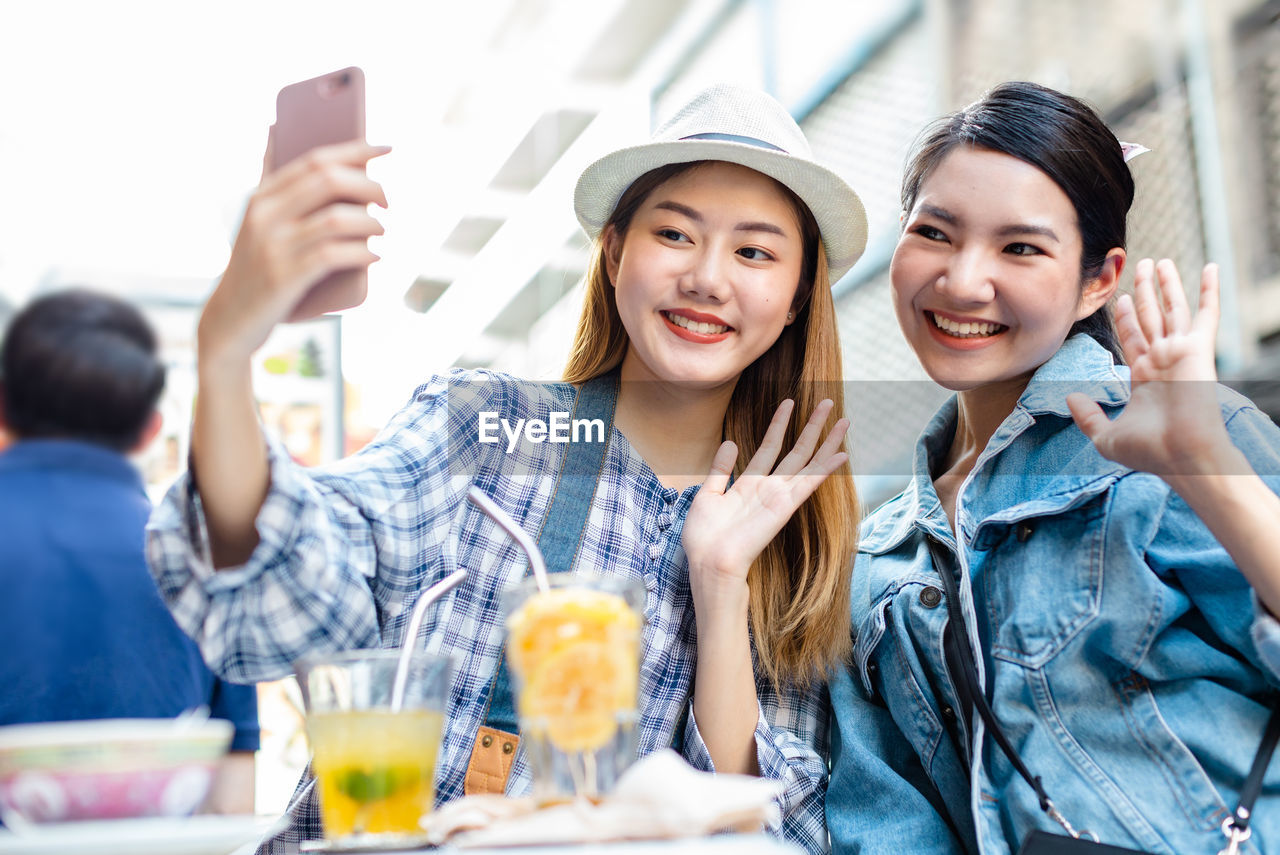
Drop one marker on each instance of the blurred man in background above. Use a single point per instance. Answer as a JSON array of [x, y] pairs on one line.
[[84, 632]]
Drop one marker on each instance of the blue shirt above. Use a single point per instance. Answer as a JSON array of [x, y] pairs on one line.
[[84, 632], [1123, 652], [344, 551]]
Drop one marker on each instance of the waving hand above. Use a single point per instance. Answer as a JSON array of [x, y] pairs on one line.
[[1172, 423]]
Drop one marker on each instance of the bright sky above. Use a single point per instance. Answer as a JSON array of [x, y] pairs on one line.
[[132, 131]]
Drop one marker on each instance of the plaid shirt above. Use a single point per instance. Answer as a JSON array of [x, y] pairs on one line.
[[345, 549]]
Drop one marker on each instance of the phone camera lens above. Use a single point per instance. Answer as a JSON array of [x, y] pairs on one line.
[[345, 78]]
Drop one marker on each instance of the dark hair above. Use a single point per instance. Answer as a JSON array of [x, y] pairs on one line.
[[80, 365], [1064, 138]]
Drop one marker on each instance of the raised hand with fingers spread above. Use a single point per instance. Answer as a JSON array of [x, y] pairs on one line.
[[727, 527], [1173, 426], [729, 524], [1172, 423]]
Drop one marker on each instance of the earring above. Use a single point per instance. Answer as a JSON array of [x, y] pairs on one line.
[[791, 316]]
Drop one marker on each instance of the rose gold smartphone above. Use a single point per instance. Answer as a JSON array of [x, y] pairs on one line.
[[320, 111]]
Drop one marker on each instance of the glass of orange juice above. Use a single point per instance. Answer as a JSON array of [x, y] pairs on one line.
[[375, 767], [574, 655]]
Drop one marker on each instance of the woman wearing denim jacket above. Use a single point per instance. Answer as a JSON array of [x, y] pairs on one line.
[[1122, 648]]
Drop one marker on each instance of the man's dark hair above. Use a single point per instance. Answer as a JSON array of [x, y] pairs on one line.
[[80, 365]]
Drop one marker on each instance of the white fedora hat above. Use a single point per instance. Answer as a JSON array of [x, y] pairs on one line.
[[743, 126]]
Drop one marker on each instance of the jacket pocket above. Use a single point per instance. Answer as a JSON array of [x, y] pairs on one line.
[[868, 636], [1042, 580]]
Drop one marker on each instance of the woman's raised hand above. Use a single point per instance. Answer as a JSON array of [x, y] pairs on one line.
[[728, 526], [1172, 423], [305, 221]]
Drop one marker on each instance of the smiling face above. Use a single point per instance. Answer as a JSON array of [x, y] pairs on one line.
[[986, 276], [705, 275]]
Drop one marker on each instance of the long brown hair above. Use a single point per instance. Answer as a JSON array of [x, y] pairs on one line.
[[799, 585]]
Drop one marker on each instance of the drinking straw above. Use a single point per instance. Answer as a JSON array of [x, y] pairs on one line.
[[428, 597], [522, 539], [490, 509]]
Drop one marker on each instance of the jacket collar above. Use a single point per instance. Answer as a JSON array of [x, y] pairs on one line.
[[1080, 365]]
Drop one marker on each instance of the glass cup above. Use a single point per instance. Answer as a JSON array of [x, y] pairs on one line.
[[574, 656], [375, 768]]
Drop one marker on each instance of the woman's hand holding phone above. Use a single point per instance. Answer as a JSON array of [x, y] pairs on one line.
[[302, 250], [306, 220]]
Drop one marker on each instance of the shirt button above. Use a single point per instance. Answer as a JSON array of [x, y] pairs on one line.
[[664, 519], [930, 597], [655, 552], [1024, 531]]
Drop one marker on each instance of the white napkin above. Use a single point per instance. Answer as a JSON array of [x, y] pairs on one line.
[[659, 797]]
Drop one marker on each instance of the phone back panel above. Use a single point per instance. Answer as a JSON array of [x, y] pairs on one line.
[[320, 111]]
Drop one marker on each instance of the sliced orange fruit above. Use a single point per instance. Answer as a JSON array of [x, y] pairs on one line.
[[555, 620], [575, 652], [578, 691]]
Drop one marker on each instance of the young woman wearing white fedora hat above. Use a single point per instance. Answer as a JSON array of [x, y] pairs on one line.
[[708, 314]]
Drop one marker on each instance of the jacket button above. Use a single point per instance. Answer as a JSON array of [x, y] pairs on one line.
[[872, 667], [507, 748], [930, 597], [486, 740], [1024, 531], [948, 713]]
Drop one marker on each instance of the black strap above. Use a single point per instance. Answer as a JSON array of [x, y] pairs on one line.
[[1253, 784], [959, 652]]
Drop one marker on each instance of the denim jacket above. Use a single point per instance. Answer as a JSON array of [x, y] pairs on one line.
[[1123, 653]]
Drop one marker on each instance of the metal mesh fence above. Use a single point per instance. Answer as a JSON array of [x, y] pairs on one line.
[[1257, 52], [1165, 220]]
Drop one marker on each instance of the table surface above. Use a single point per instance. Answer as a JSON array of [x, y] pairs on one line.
[[720, 844]]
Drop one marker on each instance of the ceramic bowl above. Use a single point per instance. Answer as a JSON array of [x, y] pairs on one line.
[[108, 769]]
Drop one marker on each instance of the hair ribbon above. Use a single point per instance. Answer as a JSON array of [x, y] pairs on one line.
[[1130, 150]]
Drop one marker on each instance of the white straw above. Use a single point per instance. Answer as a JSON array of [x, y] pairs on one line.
[[522, 539], [428, 597]]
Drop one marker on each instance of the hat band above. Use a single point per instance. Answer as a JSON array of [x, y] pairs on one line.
[[737, 139]]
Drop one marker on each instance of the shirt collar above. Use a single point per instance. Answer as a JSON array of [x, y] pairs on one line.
[[66, 454]]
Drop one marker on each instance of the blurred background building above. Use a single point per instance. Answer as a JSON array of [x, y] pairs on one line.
[[126, 159], [140, 156]]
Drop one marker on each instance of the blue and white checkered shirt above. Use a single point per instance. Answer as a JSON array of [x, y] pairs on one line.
[[344, 550]]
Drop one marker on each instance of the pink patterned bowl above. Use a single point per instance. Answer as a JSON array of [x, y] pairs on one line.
[[107, 769]]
